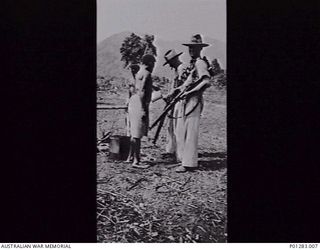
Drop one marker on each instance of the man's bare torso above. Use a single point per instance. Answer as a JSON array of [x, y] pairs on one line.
[[144, 84]]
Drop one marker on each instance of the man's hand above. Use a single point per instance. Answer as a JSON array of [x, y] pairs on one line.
[[168, 98], [182, 88], [184, 95], [127, 102], [199, 88]]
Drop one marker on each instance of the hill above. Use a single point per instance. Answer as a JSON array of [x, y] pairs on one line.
[[108, 55]]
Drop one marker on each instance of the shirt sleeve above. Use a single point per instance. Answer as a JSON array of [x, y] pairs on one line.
[[202, 68], [180, 70]]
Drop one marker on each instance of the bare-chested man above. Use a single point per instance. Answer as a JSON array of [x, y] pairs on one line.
[[138, 108], [134, 70]]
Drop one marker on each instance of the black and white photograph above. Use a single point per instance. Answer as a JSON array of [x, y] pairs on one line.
[[161, 121]]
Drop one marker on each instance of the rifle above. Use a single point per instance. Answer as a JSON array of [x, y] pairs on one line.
[[175, 97], [161, 122], [213, 69], [167, 108], [171, 104], [158, 130]]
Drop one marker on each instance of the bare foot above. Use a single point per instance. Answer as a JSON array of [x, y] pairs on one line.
[[128, 160], [138, 165]]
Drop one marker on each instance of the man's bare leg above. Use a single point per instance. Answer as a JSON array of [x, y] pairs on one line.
[[130, 155], [136, 151], [136, 154]]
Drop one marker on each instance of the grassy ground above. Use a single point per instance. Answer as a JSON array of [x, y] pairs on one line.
[[157, 204]]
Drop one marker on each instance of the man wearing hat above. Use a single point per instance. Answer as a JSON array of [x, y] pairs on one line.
[[138, 107], [190, 111], [172, 59]]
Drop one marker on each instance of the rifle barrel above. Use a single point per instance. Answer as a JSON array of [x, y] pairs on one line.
[[158, 130], [166, 110], [173, 102]]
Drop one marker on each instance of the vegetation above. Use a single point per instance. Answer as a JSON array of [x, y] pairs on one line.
[[134, 47], [220, 80]]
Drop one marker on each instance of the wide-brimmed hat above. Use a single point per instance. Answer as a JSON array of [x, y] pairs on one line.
[[196, 40], [171, 54]]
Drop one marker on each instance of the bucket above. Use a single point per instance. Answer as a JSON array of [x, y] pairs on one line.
[[119, 147]]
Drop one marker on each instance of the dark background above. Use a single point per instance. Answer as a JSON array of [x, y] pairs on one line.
[[49, 135], [48, 117], [273, 125]]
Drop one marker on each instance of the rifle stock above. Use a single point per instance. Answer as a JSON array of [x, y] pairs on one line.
[[156, 136]]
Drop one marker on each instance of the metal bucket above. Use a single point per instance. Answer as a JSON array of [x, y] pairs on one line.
[[119, 147]]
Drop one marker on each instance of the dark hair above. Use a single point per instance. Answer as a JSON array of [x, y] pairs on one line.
[[134, 69], [148, 58]]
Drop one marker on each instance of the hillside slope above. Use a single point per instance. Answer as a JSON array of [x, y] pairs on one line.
[[108, 55]]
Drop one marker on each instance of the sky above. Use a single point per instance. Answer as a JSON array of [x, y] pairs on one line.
[[166, 19]]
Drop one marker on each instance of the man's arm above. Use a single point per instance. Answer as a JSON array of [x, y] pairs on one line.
[[142, 92], [201, 86], [204, 76], [131, 89], [146, 86], [188, 81]]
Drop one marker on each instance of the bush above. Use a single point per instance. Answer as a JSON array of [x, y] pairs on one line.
[[220, 80]]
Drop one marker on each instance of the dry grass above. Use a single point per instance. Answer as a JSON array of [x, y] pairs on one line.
[[157, 204]]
